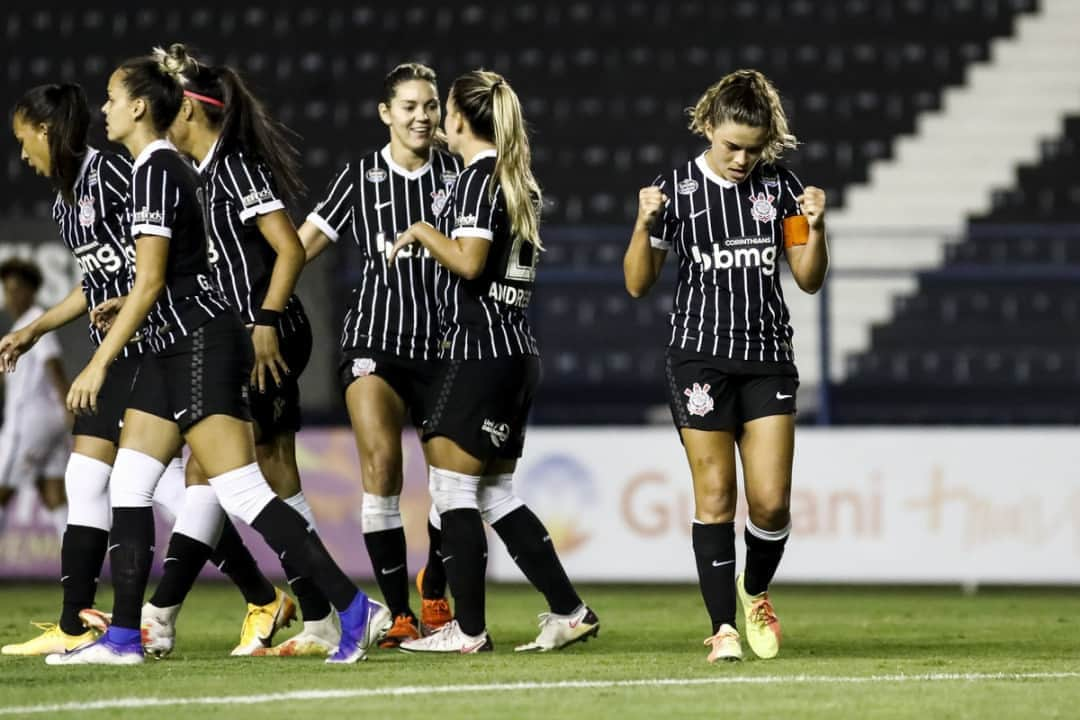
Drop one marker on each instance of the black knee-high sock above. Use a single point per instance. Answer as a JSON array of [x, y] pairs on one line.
[[434, 585], [388, 560], [130, 556], [714, 551], [234, 560], [288, 533], [82, 553], [184, 561], [465, 559], [313, 604], [530, 546], [762, 559]]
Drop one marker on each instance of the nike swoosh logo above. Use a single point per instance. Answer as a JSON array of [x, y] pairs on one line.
[[380, 206], [782, 397], [168, 560], [699, 212], [113, 547], [717, 563], [447, 558], [574, 623], [390, 571], [468, 649], [64, 578], [178, 415]]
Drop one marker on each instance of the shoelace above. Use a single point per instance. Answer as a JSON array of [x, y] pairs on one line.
[[45, 626], [762, 612]]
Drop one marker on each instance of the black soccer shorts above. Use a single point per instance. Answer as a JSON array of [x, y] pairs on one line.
[[277, 410], [705, 396], [412, 380]]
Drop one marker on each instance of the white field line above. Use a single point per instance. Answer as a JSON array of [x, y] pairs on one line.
[[137, 702]]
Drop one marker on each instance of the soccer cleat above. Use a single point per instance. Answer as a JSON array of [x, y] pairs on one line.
[[558, 631], [262, 622], [95, 619], [319, 638], [434, 612], [762, 626], [116, 647], [404, 629], [450, 639], [157, 628], [51, 640], [363, 624], [725, 645]]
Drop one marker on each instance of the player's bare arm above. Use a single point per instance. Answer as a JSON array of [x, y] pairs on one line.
[[642, 262], [809, 263]]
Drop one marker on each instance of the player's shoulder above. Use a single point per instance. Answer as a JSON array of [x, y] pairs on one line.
[[443, 160], [777, 174], [682, 176], [111, 161]]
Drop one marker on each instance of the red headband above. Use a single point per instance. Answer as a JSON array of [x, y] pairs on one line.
[[204, 98]]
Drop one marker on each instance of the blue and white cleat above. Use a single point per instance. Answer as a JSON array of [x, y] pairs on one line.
[[363, 624], [118, 646]]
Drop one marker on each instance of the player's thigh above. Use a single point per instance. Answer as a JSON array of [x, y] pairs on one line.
[[711, 455], [221, 443], [194, 473], [377, 414], [150, 435], [444, 453], [767, 448], [94, 447], [277, 460]]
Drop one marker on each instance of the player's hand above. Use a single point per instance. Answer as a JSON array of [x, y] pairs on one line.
[[267, 357], [651, 201], [103, 315], [83, 394], [405, 238], [14, 344], [812, 202]]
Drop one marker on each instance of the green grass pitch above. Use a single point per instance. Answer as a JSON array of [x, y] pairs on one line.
[[848, 653]]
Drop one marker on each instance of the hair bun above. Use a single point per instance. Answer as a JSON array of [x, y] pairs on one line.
[[174, 61]]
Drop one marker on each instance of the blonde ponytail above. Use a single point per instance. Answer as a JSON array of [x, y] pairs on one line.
[[494, 113]]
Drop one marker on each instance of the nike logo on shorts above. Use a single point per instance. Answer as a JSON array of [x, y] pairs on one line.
[[178, 415], [782, 397]]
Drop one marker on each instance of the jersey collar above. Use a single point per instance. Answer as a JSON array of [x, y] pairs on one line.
[[159, 144], [205, 163], [481, 155], [708, 172], [409, 174]]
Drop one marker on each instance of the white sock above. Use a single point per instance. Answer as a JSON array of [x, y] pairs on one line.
[[169, 494], [134, 478], [86, 482], [300, 504], [380, 513], [243, 492], [201, 518]]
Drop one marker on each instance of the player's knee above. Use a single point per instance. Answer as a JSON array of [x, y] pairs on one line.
[[453, 491], [86, 484], [134, 478], [497, 498], [381, 512], [243, 492], [381, 470], [715, 507], [770, 513]]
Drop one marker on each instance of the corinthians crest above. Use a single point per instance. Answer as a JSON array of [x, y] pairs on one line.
[[699, 402], [86, 211], [761, 207]]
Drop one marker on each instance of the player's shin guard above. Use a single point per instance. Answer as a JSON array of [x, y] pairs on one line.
[[530, 546], [464, 544], [714, 551], [384, 537], [82, 550], [764, 549], [131, 551]]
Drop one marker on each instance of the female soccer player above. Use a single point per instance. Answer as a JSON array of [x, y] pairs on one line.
[[390, 338], [198, 369], [731, 375], [474, 429], [51, 124], [248, 171]]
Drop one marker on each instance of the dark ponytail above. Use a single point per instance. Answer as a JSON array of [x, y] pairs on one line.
[[64, 111], [242, 119]]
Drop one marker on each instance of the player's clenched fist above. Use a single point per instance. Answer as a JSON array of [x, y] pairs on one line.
[[812, 202], [651, 201]]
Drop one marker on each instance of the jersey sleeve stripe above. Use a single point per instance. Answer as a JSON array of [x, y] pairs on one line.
[[326, 228]]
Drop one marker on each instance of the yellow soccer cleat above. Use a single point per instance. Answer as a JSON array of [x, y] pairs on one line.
[[762, 626], [262, 622], [52, 640], [319, 638], [725, 645]]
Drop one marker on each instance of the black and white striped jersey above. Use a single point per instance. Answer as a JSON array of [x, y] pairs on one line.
[[393, 309], [728, 238], [95, 231], [487, 317], [236, 190], [164, 201]]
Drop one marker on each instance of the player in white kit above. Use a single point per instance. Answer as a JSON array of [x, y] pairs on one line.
[[34, 440]]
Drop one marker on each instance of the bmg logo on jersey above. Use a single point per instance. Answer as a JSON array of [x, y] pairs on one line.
[[383, 246], [95, 256], [754, 251]]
